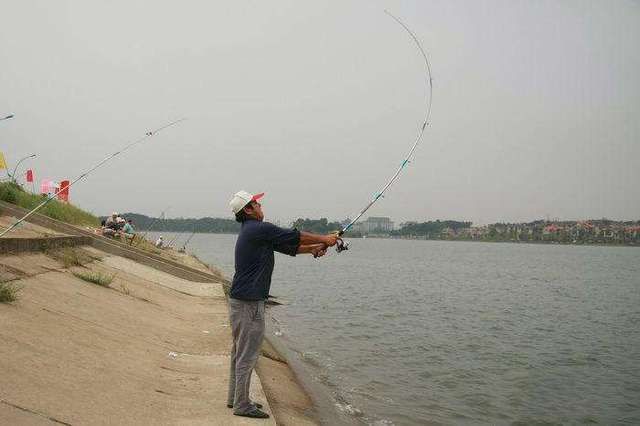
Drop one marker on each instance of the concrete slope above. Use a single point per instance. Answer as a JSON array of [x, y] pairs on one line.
[[150, 350], [26, 229]]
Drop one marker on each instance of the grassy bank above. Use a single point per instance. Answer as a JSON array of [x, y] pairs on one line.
[[14, 194]]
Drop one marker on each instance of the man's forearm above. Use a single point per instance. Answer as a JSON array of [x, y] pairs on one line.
[[307, 238], [309, 248]]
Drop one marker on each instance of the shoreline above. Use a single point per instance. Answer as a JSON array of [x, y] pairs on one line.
[[290, 400], [323, 404]]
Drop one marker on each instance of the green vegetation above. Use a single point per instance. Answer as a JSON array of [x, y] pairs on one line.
[[592, 231], [124, 289], [145, 245], [95, 277], [14, 194], [429, 229], [317, 226], [9, 292], [202, 225], [216, 225], [70, 256]]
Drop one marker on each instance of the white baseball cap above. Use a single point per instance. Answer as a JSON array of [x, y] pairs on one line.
[[241, 199]]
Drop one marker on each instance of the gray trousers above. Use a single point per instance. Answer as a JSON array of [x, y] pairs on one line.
[[247, 329]]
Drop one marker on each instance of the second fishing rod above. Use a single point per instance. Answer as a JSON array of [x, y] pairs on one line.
[[83, 175]]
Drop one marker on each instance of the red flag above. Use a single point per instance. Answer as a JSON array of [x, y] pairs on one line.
[[63, 193], [29, 175]]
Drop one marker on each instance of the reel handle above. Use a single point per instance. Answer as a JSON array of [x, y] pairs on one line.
[[341, 245]]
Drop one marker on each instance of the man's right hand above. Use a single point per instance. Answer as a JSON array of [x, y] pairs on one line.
[[331, 239]]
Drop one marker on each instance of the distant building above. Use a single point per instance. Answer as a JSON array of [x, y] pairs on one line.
[[448, 233], [551, 229], [374, 225], [477, 232]]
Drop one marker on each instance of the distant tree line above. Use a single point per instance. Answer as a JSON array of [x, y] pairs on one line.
[[318, 226], [600, 231], [210, 225], [428, 228], [431, 228], [217, 225]]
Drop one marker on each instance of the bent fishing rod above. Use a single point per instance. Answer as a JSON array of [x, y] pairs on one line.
[[341, 245], [50, 197]]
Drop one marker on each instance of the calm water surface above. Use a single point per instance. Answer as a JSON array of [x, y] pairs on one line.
[[426, 332]]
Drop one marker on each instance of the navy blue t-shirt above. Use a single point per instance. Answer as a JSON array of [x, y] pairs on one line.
[[254, 257]]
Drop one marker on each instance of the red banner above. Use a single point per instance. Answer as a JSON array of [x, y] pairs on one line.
[[63, 193], [29, 175]]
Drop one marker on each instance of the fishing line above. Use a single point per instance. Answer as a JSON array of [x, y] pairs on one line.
[[50, 197], [170, 243], [184, 246], [341, 246], [150, 227]]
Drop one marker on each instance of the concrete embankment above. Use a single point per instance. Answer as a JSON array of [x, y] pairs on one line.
[[150, 348]]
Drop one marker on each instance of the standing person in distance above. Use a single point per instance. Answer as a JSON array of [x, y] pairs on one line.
[[254, 262]]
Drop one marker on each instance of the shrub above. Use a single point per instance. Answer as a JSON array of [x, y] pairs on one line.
[[70, 258], [9, 192], [9, 292], [103, 280]]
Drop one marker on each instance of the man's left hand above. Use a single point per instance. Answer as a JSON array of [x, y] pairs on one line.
[[319, 251]]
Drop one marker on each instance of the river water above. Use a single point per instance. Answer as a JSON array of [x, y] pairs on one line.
[[428, 332]]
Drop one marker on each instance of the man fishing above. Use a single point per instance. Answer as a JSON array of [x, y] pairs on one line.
[[254, 262]]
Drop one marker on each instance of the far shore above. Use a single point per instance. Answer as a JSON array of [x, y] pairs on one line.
[[421, 238]]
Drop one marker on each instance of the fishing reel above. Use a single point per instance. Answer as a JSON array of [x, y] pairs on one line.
[[341, 245]]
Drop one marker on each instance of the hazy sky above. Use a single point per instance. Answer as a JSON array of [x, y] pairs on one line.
[[535, 108]]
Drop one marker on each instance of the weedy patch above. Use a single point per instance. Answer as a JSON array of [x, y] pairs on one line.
[[71, 256], [146, 245], [103, 280], [9, 292], [124, 289]]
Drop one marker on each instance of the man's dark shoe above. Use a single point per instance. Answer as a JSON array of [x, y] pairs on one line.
[[256, 414], [257, 404]]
